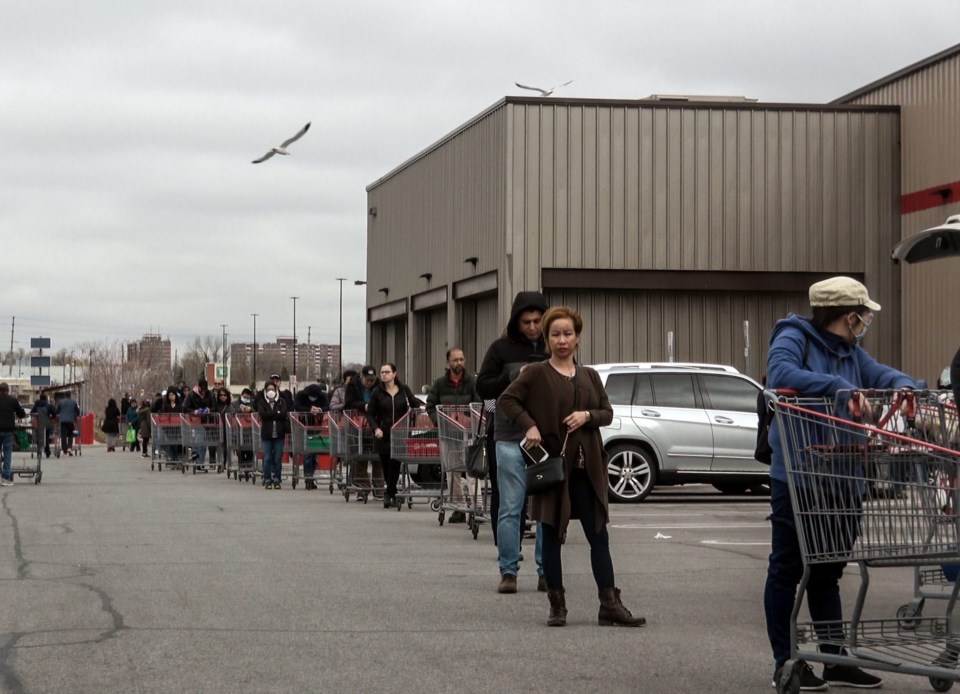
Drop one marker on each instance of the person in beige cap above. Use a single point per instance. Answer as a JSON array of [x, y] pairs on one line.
[[816, 357]]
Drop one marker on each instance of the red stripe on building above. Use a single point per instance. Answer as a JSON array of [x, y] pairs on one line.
[[931, 197]]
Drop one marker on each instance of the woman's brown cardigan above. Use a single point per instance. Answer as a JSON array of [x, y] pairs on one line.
[[534, 399]]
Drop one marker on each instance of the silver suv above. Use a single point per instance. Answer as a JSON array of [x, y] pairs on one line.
[[680, 423]]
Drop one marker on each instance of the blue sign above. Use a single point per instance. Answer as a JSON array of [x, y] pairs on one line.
[[39, 362], [39, 381], [39, 343]]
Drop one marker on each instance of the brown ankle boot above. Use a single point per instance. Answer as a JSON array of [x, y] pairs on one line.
[[558, 608], [613, 613]]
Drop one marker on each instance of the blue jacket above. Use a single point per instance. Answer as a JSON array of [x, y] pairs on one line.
[[818, 365]]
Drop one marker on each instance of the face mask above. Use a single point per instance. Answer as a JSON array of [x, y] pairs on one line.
[[271, 394], [858, 339], [311, 399], [245, 401]]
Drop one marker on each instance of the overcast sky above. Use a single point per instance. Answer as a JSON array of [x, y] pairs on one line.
[[128, 203]]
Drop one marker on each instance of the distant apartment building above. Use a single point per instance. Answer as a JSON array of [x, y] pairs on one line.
[[313, 360], [150, 350]]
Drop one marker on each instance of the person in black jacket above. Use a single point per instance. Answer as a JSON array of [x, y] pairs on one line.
[[390, 401], [199, 401], [311, 402], [10, 411], [521, 344], [111, 424], [359, 390], [273, 416], [46, 415]]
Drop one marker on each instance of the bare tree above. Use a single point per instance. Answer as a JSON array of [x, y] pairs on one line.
[[110, 375], [199, 353]]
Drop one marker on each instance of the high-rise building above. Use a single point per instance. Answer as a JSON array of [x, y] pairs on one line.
[[150, 350], [313, 361]]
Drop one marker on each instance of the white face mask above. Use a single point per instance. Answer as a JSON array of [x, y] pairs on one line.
[[271, 394], [245, 401]]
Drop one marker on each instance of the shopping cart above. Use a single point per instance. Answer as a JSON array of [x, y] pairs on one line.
[[338, 450], [364, 475], [167, 440], [414, 442], [241, 460], [929, 416], [199, 431], [45, 428], [310, 435], [23, 442], [257, 471], [458, 425], [832, 463]]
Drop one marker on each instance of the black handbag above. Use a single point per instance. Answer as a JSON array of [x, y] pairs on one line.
[[545, 475], [476, 461]]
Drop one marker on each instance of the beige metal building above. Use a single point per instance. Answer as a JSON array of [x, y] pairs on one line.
[[681, 229], [928, 94]]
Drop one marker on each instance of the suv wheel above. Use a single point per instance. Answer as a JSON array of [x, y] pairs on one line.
[[631, 473]]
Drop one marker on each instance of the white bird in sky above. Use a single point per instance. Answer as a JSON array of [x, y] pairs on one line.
[[282, 149], [543, 92]]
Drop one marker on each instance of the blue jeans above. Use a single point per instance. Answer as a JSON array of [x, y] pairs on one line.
[[272, 460], [201, 452], [783, 577], [6, 445], [309, 465], [512, 481]]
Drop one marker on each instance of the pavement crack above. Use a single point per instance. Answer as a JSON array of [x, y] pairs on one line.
[[17, 545], [106, 603]]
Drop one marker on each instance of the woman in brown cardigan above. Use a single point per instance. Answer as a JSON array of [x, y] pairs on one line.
[[561, 407]]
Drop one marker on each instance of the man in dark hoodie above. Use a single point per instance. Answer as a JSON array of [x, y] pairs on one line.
[[521, 344], [312, 401], [199, 401]]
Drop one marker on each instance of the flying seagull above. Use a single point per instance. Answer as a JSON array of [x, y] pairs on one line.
[[282, 149], [543, 92]]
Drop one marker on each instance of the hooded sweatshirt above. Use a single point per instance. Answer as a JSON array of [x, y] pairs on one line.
[[505, 357], [831, 364]]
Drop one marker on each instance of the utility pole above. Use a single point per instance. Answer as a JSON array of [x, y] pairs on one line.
[[294, 335], [254, 349], [13, 322], [223, 352], [341, 280]]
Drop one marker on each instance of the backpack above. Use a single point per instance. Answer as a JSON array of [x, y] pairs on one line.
[[763, 453]]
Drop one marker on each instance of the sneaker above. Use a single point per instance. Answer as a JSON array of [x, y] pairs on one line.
[[6, 483], [508, 584], [194, 455], [458, 517], [849, 676], [809, 682]]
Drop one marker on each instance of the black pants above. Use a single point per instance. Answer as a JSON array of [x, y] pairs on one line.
[[583, 506], [66, 436], [391, 473], [146, 444]]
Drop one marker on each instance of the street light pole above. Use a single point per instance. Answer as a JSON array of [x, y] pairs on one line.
[[223, 352], [294, 336], [341, 280], [254, 348]]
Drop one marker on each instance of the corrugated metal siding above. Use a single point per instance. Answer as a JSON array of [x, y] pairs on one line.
[[698, 188], [478, 328], [634, 326], [929, 100], [446, 207], [429, 349], [707, 188], [929, 103]]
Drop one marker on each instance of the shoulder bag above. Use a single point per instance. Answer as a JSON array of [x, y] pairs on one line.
[[476, 461]]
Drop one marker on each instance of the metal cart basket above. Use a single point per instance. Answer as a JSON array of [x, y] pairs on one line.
[[832, 466]]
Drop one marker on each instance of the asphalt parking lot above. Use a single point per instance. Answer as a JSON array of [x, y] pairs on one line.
[[116, 578]]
